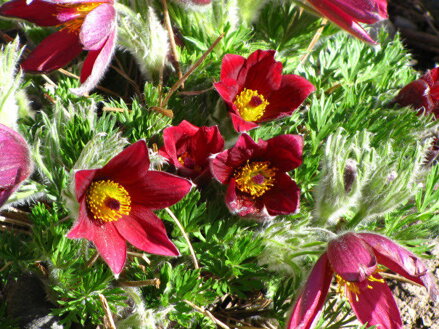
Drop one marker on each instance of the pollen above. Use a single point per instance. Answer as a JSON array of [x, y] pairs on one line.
[[108, 201], [255, 178], [251, 105], [353, 287], [81, 10]]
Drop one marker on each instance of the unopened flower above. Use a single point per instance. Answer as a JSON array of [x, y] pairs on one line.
[[255, 174], [422, 94], [256, 91], [347, 14], [353, 259], [116, 203], [84, 25], [188, 148], [15, 163]]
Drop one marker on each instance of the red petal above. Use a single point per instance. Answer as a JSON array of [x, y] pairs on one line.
[[158, 190], [228, 89], [144, 230], [283, 198], [96, 64], [365, 11], [242, 205], [56, 51], [231, 66], [111, 246], [291, 94], [240, 124], [416, 94], [351, 258], [83, 179], [284, 152], [42, 13], [84, 227], [311, 299], [97, 25], [376, 306]]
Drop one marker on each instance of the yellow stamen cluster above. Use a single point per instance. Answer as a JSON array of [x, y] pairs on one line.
[[108, 201], [343, 285], [82, 10], [250, 104], [183, 157], [255, 178]]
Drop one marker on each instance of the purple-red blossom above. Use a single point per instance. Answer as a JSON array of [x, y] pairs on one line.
[[116, 203], [83, 25], [256, 176], [353, 259], [188, 147], [347, 14], [256, 91], [422, 94], [15, 163]]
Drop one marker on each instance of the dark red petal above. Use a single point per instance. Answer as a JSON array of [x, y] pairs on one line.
[[144, 230], [351, 257], [83, 179], [128, 167], [42, 13], [285, 151], [231, 66], [313, 295], [241, 204], [84, 227], [228, 89], [111, 246], [54, 52], [97, 25], [291, 94], [158, 190], [283, 198], [376, 306], [365, 11], [263, 74], [415, 94], [240, 124], [401, 261], [96, 64], [207, 141], [223, 164]]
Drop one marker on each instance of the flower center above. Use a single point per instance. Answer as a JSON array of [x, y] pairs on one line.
[[353, 287], [250, 104], [255, 178], [108, 201], [81, 10]]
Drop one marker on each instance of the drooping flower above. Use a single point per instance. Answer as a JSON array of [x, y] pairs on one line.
[[422, 94], [188, 148], [15, 163], [116, 203], [353, 259], [347, 14], [256, 176], [256, 91], [84, 25]]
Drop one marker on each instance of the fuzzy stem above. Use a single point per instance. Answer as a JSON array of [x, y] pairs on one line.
[[185, 236], [359, 216], [108, 317]]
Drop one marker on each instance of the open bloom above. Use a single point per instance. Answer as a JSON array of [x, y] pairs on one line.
[[15, 163], [347, 14], [353, 259], [188, 148], [422, 94], [255, 174], [256, 91], [84, 25], [116, 204]]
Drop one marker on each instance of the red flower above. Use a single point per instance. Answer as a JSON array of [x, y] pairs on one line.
[[348, 13], [258, 185], [422, 93], [188, 148], [256, 91], [85, 25], [116, 204], [15, 164], [353, 258]]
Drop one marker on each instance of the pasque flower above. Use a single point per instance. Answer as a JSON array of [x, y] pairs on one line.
[[83, 25], [255, 174], [116, 203], [353, 259], [256, 91], [422, 94], [188, 148], [347, 14], [15, 163]]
